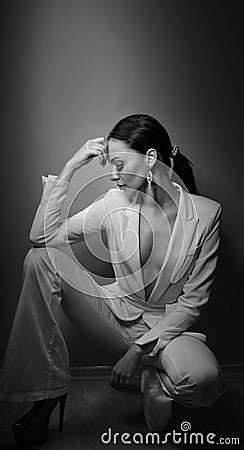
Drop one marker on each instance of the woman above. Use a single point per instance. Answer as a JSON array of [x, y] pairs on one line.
[[163, 243]]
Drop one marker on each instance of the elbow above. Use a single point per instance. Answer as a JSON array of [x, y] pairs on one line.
[[37, 236], [36, 242], [34, 239]]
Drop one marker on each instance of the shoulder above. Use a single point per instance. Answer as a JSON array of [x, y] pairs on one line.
[[209, 212], [206, 206]]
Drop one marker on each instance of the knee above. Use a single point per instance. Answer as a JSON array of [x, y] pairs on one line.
[[35, 254], [198, 391], [209, 388], [33, 257]]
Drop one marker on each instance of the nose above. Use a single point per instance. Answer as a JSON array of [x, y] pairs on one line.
[[114, 175]]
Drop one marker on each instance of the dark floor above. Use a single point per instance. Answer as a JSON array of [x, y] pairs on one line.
[[93, 407]]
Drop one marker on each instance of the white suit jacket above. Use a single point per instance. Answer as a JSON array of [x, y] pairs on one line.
[[184, 282]]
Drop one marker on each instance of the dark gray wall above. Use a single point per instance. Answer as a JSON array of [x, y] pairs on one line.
[[71, 69]]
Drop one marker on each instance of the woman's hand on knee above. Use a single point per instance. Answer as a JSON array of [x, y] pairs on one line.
[[125, 368]]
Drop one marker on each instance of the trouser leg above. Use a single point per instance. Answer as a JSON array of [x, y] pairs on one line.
[[190, 372], [36, 364], [185, 371]]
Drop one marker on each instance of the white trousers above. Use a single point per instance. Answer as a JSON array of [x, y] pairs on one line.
[[36, 364]]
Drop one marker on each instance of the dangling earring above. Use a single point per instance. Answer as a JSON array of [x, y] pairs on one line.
[[149, 190]]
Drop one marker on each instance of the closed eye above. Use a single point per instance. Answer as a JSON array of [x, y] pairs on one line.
[[117, 161], [119, 166]]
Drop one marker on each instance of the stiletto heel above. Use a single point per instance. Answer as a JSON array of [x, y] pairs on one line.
[[32, 428], [61, 411]]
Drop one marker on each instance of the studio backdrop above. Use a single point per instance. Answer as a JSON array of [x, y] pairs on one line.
[[70, 71]]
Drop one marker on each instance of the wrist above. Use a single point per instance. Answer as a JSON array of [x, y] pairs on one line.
[[71, 166], [137, 349], [146, 348], [67, 173]]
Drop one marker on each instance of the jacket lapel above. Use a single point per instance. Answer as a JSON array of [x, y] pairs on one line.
[[184, 236]]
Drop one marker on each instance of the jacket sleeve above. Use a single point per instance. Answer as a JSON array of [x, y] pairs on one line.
[[195, 293], [46, 228]]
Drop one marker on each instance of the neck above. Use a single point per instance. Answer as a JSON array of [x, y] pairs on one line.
[[166, 195]]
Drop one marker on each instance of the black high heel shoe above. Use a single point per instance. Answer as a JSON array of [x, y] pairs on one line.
[[32, 428]]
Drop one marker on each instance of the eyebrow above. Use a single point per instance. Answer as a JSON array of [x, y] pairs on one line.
[[112, 159]]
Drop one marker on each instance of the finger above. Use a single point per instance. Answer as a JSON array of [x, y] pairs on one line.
[[116, 381], [96, 145], [106, 145], [113, 380], [98, 139], [103, 153], [127, 382], [98, 152], [106, 151], [93, 153], [103, 143], [101, 158], [121, 382]]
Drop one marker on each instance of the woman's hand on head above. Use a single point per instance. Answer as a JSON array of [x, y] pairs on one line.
[[91, 149]]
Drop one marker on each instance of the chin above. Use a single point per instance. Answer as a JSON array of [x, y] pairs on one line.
[[129, 192]]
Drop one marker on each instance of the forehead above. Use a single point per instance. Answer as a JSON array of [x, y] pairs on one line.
[[118, 149]]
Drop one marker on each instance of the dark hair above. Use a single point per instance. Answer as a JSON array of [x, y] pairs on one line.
[[141, 132]]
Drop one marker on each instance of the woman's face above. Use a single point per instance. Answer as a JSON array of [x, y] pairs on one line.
[[129, 168]]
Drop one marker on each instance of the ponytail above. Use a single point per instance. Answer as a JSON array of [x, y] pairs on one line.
[[183, 168]]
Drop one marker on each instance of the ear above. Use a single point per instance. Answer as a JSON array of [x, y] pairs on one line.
[[151, 156]]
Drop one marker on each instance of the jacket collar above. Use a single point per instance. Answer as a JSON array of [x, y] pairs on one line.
[[184, 236]]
